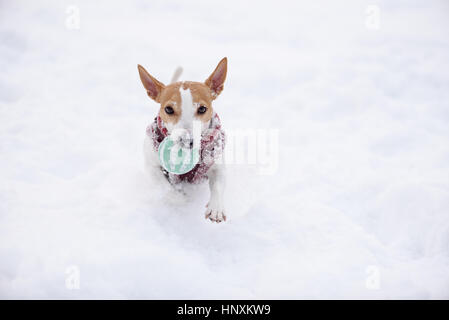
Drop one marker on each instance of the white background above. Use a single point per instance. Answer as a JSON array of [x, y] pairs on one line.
[[362, 189]]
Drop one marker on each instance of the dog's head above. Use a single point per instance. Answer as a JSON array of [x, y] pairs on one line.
[[184, 103]]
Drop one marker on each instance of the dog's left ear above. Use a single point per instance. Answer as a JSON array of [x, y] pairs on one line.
[[216, 80]]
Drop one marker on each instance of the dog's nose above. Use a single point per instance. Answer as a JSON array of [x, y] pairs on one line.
[[185, 142]]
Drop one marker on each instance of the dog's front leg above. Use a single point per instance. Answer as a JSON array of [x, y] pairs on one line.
[[215, 208]]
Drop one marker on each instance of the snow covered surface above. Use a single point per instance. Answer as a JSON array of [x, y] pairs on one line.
[[359, 207]]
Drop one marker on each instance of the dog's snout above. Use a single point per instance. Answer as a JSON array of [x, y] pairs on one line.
[[185, 141]]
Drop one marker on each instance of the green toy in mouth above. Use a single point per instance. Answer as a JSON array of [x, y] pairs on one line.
[[175, 159]]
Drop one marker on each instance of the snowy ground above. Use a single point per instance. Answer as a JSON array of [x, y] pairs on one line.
[[359, 207]]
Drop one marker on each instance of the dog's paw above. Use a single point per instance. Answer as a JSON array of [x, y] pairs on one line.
[[215, 213]]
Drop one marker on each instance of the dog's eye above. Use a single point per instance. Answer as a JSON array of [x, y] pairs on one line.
[[169, 110], [202, 109]]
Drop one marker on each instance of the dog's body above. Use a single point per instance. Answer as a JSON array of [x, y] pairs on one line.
[[182, 104]]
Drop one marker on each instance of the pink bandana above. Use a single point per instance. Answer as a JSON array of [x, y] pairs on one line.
[[212, 146]]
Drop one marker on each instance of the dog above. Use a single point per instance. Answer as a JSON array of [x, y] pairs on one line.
[[181, 105]]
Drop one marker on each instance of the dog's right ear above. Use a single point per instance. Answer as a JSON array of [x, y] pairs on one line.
[[153, 87]]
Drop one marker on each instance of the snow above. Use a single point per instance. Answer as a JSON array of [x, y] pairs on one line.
[[358, 207]]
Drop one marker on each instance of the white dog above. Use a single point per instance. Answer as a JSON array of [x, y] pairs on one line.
[[182, 104]]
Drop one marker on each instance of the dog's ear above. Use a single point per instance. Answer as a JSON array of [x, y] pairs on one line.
[[153, 87], [216, 80]]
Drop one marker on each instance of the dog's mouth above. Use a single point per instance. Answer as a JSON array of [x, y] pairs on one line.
[[184, 142], [186, 139]]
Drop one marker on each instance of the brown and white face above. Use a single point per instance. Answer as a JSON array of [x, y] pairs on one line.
[[183, 104]]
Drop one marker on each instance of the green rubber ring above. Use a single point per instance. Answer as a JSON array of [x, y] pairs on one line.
[[175, 159]]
